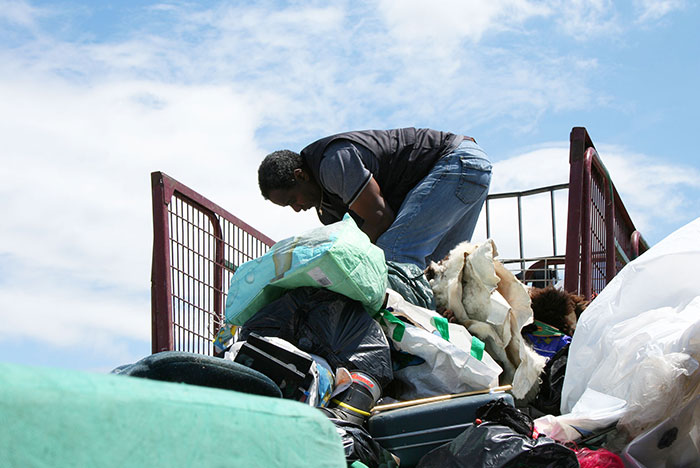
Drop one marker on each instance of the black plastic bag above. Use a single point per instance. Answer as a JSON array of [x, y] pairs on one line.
[[496, 446], [408, 280], [330, 325], [505, 439], [360, 446], [548, 399], [500, 412]]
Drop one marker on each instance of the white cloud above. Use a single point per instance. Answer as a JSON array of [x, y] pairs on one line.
[[80, 158], [586, 20], [442, 25], [330, 68], [537, 168], [60, 317], [76, 196], [19, 13], [653, 10]]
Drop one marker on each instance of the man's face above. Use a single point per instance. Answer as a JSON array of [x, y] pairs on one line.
[[303, 195]]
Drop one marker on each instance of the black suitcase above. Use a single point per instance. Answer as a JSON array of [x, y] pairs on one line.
[[411, 432]]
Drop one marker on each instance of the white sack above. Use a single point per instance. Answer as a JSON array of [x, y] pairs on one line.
[[449, 366]]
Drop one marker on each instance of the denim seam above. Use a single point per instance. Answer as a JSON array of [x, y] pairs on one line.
[[400, 234]]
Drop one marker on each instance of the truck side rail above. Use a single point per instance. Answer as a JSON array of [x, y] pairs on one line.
[[197, 245], [601, 237]]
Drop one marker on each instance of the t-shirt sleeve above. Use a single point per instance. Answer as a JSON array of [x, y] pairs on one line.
[[342, 171]]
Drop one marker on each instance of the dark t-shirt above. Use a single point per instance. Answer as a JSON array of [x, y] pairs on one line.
[[346, 169]]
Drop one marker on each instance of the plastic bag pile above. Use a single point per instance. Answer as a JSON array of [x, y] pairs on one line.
[[633, 361]]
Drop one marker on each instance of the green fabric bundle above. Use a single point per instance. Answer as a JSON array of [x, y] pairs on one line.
[[62, 418]]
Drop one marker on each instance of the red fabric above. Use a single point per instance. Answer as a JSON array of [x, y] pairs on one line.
[[601, 458]]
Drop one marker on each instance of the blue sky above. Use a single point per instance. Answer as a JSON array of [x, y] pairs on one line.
[[96, 95]]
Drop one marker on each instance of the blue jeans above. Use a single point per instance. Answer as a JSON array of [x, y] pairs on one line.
[[441, 210]]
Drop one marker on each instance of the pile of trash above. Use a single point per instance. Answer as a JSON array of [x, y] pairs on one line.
[[464, 365]]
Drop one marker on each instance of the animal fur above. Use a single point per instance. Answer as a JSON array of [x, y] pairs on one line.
[[557, 308], [474, 289]]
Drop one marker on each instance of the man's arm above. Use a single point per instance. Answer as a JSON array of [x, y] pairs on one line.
[[374, 210]]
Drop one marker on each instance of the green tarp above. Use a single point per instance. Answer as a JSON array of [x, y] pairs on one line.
[[61, 418]]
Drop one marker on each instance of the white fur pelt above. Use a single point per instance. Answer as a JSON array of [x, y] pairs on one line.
[[489, 300]]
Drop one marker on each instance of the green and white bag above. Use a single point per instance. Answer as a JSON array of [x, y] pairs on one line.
[[338, 257], [451, 359]]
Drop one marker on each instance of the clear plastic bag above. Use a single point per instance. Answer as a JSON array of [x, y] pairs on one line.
[[638, 339]]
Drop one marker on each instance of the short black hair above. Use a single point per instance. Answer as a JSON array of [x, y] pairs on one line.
[[276, 171]]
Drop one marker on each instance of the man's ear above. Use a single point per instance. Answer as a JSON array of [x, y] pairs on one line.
[[300, 174]]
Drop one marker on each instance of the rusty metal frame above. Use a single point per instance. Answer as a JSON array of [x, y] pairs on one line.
[[192, 237], [600, 235]]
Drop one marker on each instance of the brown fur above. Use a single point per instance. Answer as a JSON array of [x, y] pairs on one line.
[[557, 308]]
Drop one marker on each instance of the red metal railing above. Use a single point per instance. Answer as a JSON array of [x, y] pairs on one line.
[[197, 245], [601, 237]]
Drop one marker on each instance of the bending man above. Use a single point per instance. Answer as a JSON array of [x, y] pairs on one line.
[[415, 192]]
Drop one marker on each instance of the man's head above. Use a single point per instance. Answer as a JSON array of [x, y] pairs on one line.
[[285, 180]]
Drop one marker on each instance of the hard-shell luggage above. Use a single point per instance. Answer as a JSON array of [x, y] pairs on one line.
[[411, 432]]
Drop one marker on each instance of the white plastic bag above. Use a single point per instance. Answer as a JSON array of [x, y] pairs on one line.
[[448, 367], [428, 320], [639, 340]]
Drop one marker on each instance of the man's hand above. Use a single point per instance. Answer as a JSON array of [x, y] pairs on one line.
[[373, 209]]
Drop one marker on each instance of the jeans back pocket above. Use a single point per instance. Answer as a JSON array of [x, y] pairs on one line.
[[475, 179]]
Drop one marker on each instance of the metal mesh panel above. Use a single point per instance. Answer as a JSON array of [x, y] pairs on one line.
[[239, 247], [192, 264], [197, 248], [205, 250], [601, 237], [598, 233]]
